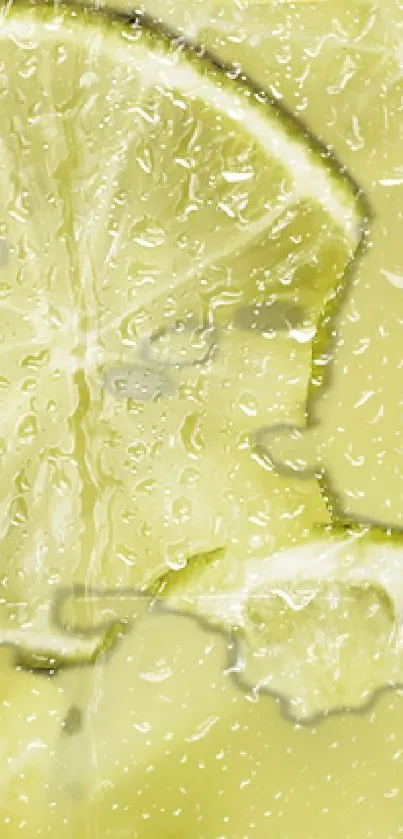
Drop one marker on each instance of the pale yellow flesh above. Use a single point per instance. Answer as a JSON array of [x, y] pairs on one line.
[[199, 219], [343, 778]]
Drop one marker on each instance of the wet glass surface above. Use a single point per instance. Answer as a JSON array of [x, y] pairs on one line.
[[201, 436]]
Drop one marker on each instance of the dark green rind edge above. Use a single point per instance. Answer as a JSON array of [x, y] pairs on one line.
[[45, 661], [209, 64]]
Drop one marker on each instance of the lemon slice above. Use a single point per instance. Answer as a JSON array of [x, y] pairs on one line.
[[143, 190], [319, 624]]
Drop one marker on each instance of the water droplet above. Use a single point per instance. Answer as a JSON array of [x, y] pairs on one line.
[[27, 428], [55, 317], [28, 384], [190, 434], [244, 440], [157, 449], [5, 290], [247, 402], [18, 512], [176, 556], [189, 476], [127, 516], [393, 277], [145, 529], [181, 509], [137, 451], [135, 409], [21, 482], [36, 360], [145, 487], [125, 555], [147, 234], [129, 326], [88, 79]]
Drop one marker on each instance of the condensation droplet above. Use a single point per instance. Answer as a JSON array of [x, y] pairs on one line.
[[125, 555], [247, 402], [28, 384], [145, 487], [181, 509], [190, 435], [18, 512], [5, 290], [137, 451], [189, 476], [27, 429], [36, 360]]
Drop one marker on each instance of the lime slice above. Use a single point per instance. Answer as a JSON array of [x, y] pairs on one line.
[[357, 52], [320, 625], [142, 191]]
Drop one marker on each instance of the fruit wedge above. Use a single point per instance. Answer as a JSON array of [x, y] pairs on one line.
[[142, 190], [319, 624]]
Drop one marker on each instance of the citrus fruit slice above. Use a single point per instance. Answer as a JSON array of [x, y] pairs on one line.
[[147, 195], [319, 624], [357, 52]]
